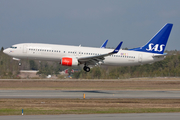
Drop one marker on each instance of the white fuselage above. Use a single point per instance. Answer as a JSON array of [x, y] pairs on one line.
[[52, 52]]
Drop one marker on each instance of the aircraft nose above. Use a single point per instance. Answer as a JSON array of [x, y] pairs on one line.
[[5, 51]]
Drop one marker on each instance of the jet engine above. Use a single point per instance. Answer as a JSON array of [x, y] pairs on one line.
[[68, 61]]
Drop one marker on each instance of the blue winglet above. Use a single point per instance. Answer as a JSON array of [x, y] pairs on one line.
[[116, 50], [104, 44]]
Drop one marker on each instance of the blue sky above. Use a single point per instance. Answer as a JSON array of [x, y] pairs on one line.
[[88, 22]]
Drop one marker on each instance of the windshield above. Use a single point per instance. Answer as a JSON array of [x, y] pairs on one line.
[[13, 47]]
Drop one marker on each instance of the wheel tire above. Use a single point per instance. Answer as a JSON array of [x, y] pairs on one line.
[[87, 69], [84, 68], [19, 64]]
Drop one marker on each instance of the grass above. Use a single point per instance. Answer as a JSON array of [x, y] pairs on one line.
[[89, 85], [35, 111], [87, 106]]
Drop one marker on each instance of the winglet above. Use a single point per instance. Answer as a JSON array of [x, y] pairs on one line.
[[116, 50], [104, 44]]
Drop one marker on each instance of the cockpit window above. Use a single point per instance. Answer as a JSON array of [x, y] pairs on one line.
[[13, 47]]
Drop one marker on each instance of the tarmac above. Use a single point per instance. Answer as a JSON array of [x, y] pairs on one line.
[[89, 94]]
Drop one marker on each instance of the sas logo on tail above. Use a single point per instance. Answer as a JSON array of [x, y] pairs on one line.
[[155, 47]]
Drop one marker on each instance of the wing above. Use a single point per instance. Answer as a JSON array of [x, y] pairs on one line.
[[98, 58]]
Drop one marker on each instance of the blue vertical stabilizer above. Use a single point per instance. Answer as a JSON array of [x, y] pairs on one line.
[[158, 43]]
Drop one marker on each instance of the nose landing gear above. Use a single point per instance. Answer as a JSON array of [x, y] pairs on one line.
[[19, 63]]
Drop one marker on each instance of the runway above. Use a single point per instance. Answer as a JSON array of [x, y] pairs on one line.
[[139, 116], [89, 94]]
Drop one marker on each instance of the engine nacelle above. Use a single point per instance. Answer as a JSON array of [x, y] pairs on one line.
[[68, 61]]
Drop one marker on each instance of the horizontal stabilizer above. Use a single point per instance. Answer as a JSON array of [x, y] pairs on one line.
[[160, 55]]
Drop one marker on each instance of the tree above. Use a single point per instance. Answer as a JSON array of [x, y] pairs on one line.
[[33, 65], [96, 72], [2, 49]]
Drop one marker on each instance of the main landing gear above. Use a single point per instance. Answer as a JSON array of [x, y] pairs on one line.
[[87, 69]]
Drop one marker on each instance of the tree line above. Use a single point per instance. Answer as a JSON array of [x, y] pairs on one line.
[[169, 67]]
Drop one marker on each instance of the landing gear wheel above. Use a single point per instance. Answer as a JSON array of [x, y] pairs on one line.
[[87, 69], [19, 63]]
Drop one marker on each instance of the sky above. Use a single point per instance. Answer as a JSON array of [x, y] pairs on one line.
[[88, 22]]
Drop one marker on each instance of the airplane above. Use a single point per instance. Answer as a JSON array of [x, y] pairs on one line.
[[67, 55]]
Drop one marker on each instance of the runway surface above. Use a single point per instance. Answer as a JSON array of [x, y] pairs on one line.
[[89, 94], [139, 116]]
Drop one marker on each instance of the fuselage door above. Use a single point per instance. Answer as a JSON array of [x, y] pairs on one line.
[[24, 48]]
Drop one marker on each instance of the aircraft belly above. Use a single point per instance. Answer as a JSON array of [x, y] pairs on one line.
[[121, 62]]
